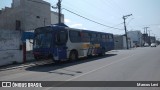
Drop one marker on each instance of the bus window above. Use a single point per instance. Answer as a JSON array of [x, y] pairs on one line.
[[98, 37], [61, 37], [42, 40], [85, 37], [93, 37], [110, 37], [103, 38], [74, 36]]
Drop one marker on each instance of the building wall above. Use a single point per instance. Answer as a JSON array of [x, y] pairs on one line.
[[136, 36], [54, 18], [10, 47], [31, 14], [37, 14], [8, 18], [120, 42], [16, 3]]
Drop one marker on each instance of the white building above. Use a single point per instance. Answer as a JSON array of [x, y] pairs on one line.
[[23, 15], [26, 15], [136, 36]]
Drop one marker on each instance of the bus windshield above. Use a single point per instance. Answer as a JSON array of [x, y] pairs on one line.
[[61, 38], [42, 40]]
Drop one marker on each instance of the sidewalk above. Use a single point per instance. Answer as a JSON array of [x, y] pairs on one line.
[[28, 64]]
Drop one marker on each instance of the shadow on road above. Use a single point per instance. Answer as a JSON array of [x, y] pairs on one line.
[[51, 67]]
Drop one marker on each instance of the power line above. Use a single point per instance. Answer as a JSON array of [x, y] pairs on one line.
[[91, 20], [85, 13], [130, 21], [117, 24], [81, 11]]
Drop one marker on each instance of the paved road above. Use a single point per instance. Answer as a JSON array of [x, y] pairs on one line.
[[140, 64]]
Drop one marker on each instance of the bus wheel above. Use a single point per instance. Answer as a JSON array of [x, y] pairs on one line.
[[73, 56]]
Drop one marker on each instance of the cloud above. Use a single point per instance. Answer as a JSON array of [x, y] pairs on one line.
[[73, 24], [76, 25], [84, 28], [159, 26], [67, 20]]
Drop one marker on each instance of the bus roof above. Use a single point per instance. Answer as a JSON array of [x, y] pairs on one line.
[[65, 26]]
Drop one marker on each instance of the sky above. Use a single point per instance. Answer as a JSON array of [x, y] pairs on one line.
[[145, 13]]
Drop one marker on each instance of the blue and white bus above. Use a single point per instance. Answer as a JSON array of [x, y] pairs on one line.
[[64, 43]]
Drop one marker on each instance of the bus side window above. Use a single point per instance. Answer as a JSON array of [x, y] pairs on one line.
[[107, 38], [99, 38], [75, 36], [85, 37], [93, 37], [103, 38], [110, 37], [61, 37]]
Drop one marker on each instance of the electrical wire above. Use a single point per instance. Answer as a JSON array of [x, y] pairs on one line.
[[86, 13], [91, 20]]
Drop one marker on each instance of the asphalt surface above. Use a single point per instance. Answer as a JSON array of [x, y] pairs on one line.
[[138, 64]]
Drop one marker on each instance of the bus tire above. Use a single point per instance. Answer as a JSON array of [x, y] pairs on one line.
[[73, 55]]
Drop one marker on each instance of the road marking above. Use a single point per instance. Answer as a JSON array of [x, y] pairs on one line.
[[101, 67]]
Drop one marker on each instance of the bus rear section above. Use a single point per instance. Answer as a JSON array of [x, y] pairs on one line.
[[83, 43]]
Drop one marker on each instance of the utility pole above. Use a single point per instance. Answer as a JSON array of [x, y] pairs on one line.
[[145, 34], [146, 29], [59, 11], [124, 18], [149, 37], [154, 38]]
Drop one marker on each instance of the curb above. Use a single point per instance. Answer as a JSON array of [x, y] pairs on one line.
[[35, 63]]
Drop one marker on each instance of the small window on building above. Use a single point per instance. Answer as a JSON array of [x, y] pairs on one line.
[[18, 25]]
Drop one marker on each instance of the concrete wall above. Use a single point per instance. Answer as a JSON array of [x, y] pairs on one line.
[[31, 14], [37, 14], [120, 42], [54, 18], [8, 18], [9, 47]]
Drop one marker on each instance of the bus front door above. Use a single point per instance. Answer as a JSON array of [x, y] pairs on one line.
[[61, 40]]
